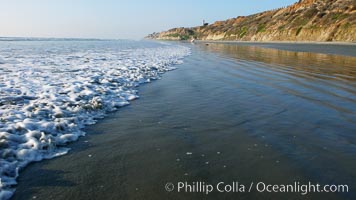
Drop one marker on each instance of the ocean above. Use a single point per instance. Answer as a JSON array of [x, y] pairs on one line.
[[50, 89]]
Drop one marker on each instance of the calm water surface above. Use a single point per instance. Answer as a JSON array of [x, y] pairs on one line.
[[245, 113]]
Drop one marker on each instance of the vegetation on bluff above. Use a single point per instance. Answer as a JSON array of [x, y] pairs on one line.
[[306, 20]]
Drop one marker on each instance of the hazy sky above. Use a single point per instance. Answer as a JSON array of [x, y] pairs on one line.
[[117, 19]]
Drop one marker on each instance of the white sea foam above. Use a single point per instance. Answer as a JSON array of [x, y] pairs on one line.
[[49, 92]]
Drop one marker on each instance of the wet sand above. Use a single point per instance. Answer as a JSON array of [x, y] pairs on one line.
[[337, 48], [243, 113]]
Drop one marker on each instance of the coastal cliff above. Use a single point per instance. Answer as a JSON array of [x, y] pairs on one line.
[[306, 20]]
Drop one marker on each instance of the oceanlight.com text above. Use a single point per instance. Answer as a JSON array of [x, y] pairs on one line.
[[261, 187]]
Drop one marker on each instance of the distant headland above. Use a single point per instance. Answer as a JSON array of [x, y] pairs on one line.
[[306, 20]]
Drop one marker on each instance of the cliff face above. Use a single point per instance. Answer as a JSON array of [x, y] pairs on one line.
[[306, 20]]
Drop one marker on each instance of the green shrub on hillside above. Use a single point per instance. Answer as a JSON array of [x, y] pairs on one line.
[[261, 28], [243, 32]]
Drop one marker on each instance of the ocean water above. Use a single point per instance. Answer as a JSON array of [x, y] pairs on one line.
[[51, 89]]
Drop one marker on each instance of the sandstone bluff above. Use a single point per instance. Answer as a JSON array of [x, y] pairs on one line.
[[306, 20]]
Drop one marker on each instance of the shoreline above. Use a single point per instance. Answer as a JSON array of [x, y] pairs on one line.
[[274, 42], [258, 42], [195, 138], [72, 103], [331, 48]]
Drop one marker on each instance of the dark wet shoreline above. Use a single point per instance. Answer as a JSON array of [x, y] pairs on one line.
[[336, 48], [244, 113]]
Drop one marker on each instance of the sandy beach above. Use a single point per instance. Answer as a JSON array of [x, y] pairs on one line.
[[228, 113]]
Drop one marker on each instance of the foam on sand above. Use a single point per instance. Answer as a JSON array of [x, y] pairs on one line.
[[47, 95]]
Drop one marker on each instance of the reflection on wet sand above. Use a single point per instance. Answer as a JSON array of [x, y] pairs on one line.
[[325, 66]]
